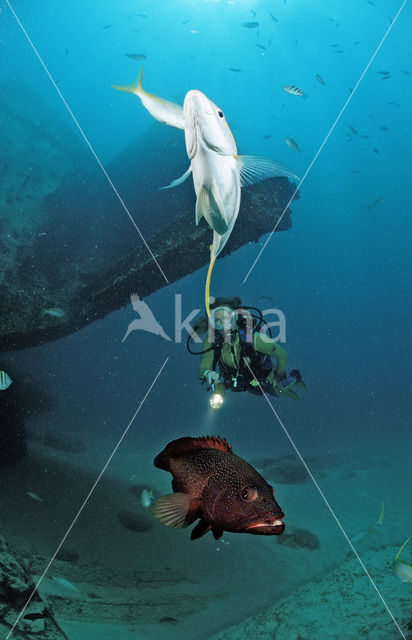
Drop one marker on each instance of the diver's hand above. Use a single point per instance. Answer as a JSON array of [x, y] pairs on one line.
[[211, 376]]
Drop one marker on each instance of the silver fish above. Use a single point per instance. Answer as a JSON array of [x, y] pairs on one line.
[[402, 569], [294, 90], [5, 381], [320, 79], [57, 312], [292, 144]]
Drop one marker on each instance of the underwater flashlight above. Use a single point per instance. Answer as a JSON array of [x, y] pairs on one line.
[[217, 396]]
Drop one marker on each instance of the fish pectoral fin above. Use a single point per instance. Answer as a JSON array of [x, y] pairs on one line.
[[209, 204], [200, 529], [176, 510], [175, 183], [253, 169]]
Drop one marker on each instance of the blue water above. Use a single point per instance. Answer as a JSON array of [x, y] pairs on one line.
[[341, 274]]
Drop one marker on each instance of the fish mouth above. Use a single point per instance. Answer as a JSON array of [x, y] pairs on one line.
[[267, 526]]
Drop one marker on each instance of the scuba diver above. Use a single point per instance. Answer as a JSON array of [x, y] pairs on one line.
[[238, 355]]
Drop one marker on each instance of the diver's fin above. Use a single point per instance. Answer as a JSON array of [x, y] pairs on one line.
[[178, 181], [177, 510], [135, 87], [254, 168], [200, 529], [209, 204], [290, 394], [217, 533]]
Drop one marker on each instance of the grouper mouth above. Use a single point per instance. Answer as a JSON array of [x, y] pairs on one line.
[[267, 525]]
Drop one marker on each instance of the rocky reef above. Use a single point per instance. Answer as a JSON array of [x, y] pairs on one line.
[[16, 587], [66, 241]]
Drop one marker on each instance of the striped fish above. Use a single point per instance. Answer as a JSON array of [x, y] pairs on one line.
[[292, 144], [5, 381], [294, 90]]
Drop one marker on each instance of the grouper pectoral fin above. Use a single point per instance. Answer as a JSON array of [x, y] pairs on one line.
[[217, 533], [176, 510], [209, 204], [175, 183], [200, 529]]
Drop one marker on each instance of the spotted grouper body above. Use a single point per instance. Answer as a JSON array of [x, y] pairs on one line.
[[213, 484]]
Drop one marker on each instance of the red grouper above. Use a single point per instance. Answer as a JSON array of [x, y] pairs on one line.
[[213, 484]]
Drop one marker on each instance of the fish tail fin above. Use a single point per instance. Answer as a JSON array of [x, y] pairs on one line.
[[208, 278], [135, 87]]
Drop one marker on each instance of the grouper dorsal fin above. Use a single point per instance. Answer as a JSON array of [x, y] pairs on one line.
[[183, 445]]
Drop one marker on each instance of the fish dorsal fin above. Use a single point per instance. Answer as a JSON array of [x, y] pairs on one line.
[[183, 445]]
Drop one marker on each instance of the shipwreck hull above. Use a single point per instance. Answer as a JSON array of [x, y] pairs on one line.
[[76, 248]]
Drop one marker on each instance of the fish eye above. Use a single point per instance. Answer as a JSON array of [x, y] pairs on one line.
[[249, 494], [220, 114]]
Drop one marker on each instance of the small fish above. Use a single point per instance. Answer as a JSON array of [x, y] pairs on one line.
[[337, 25], [66, 583], [384, 128], [292, 144], [34, 496], [185, 21], [383, 73], [253, 13], [370, 2], [353, 130], [338, 51], [375, 150], [250, 25], [57, 312], [235, 70], [402, 569], [136, 56], [267, 137], [193, 31], [5, 381], [394, 104], [357, 42], [107, 26], [407, 73], [273, 17], [385, 77], [213, 484], [260, 46], [375, 203], [146, 498], [378, 523], [365, 136], [266, 299], [294, 90], [334, 45], [320, 79]]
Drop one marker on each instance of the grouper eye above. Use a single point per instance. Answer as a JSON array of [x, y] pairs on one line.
[[220, 114], [249, 494]]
